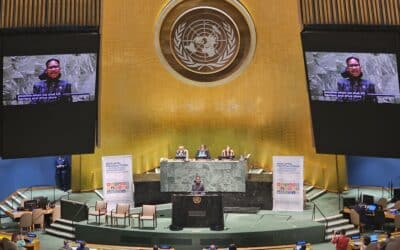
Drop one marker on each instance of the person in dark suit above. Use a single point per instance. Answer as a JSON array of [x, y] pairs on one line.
[[182, 153], [198, 187], [203, 153], [62, 173], [357, 89], [50, 88], [379, 218], [82, 246]]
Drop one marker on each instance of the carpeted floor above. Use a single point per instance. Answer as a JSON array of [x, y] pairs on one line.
[[328, 204]]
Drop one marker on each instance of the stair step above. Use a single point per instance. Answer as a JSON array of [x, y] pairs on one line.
[[338, 222], [4, 208], [348, 233], [10, 204], [353, 232], [316, 195], [60, 233], [15, 199], [64, 221], [309, 188], [62, 227], [338, 228], [329, 218], [23, 196]]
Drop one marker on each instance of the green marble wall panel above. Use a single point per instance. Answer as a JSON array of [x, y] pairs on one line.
[[217, 176]]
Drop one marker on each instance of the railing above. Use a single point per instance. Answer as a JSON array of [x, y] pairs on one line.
[[315, 207], [386, 192], [30, 190], [78, 212]]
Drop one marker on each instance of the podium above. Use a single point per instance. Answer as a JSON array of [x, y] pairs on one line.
[[197, 211]]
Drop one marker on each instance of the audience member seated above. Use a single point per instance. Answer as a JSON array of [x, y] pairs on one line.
[[393, 244], [203, 153], [66, 246], [382, 244], [182, 153], [227, 153], [8, 244], [365, 243], [379, 218], [232, 247], [364, 220], [19, 241], [213, 247], [82, 246]]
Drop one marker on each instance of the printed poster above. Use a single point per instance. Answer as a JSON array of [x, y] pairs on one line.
[[288, 183], [117, 180]]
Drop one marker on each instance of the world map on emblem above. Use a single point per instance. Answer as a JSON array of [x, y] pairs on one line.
[[204, 41]]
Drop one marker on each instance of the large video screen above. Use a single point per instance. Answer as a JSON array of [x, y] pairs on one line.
[[49, 99], [353, 77], [41, 79], [353, 87]]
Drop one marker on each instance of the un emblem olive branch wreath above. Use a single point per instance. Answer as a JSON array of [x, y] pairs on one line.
[[179, 49], [188, 61]]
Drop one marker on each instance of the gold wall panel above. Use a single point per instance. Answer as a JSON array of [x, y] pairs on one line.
[[147, 112]]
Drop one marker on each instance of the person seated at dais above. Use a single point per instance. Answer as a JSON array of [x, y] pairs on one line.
[[203, 153], [227, 153], [182, 153]]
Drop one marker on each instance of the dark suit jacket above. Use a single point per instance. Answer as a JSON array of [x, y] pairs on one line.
[[206, 152], [59, 91], [360, 85], [198, 189]]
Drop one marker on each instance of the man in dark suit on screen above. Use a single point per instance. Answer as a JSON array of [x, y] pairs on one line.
[[353, 86]]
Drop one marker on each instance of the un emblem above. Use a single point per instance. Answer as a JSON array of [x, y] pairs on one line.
[[196, 199], [205, 42]]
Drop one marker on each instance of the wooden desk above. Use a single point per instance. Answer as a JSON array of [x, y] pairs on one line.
[[34, 245], [381, 238], [17, 214], [388, 215]]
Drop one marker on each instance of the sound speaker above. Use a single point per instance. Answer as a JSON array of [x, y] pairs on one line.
[[396, 194]]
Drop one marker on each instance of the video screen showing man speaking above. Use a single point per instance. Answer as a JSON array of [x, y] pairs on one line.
[[353, 77], [42, 79]]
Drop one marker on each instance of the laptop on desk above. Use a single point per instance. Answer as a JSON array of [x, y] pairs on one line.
[[371, 208], [356, 239], [374, 237]]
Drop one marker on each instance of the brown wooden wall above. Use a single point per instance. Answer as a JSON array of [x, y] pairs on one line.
[[49, 13], [365, 12]]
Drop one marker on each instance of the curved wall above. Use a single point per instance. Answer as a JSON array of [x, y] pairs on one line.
[[147, 112], [24, 173]]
